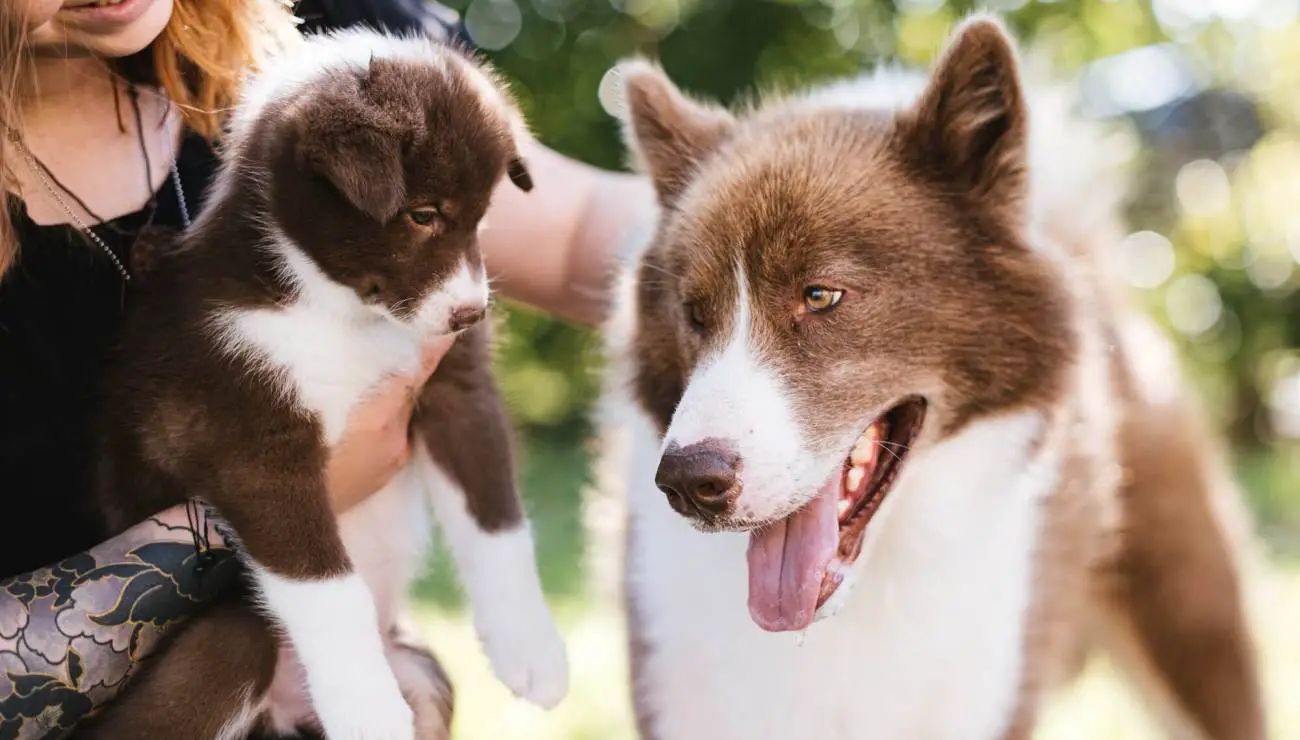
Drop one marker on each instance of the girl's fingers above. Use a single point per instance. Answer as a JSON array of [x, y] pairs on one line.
[[431, 355]]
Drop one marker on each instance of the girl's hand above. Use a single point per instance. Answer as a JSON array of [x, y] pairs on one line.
[[377, 441]]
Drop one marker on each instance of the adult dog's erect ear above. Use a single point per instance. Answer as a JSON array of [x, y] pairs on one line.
[[666, 131], [357, 145], [970, 126]]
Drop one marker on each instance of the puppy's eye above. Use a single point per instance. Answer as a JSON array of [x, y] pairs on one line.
[[820, 299], [694, 315], [425, 216]]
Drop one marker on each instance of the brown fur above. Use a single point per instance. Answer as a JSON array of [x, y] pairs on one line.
[[335, 169], [919, 218]]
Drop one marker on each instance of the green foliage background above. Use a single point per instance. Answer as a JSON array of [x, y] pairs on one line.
[[1218, 178]]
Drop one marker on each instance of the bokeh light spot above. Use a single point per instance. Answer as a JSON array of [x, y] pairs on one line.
[[1146, 259], [493, 24], [1203, 188], [1193, 305]]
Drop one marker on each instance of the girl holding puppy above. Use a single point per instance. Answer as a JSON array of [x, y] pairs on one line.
[[110, 112]]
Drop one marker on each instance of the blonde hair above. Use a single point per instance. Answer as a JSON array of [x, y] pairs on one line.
[[199, 61]]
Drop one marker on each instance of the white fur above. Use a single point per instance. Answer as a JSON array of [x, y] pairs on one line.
[[734, 396], [326, 349], [466, 288], [928, 642], [510, 612], [927, 645], [336, 635], [387, 537]]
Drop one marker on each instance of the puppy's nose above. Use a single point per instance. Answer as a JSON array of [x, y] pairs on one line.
[[463, 317], [699, 479]]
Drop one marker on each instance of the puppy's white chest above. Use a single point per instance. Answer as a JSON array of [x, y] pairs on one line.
[[325, 364]]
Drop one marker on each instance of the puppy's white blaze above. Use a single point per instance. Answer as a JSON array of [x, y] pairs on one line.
[[466, 287], [734, 396], [499, 573], [334, 630]]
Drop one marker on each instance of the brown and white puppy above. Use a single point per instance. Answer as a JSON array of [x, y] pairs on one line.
[[340, 237], [895, 410]]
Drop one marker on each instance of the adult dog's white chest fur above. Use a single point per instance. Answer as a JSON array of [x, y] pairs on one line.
[[928, 645]]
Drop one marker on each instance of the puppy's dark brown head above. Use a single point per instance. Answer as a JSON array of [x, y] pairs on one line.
[[381, 155], [832, 283]]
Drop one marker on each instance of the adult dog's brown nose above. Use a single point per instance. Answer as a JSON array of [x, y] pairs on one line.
[[699, 479]]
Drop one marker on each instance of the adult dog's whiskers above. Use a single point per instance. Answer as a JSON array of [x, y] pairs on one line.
[[886, 445]]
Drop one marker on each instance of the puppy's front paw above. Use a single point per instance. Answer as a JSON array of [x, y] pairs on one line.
[[369, 709], [527, 653]]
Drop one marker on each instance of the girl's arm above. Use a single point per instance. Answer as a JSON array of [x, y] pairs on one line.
[[555, 247], [71, 634]]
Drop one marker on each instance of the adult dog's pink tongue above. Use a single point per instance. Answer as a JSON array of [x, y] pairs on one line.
[[787, 562]]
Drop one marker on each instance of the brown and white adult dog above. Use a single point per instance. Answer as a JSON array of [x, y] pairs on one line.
[[340, 237], [870, 360]]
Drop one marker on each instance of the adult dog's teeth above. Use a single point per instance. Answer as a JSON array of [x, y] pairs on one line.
[[843, 506], [865, 450], [854, 478]]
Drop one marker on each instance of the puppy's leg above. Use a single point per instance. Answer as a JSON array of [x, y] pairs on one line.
[[204, 685], [424, 684], [471, 473], [1173, 600], [276, 502]]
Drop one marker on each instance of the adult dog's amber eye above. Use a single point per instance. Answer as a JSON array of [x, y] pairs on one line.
[[819, 299], [423, 216]]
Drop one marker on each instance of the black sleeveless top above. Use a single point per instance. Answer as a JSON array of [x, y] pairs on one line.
[[60, 307]]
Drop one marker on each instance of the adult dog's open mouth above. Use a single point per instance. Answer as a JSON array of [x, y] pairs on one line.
[[796, 564]]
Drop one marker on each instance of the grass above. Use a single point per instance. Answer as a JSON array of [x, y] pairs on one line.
[[1098, 707]]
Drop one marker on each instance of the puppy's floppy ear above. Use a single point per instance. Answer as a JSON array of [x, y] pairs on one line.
[[970, 126], [358, 147], [517, 171], [666, 131]]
